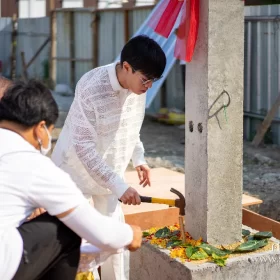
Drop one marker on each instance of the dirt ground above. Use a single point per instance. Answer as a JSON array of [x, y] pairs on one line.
[[261, 169]]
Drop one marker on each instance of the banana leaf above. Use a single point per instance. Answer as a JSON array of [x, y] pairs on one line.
[[199, 255], [145, 234], [219, 260], [190, 250], [245, 232], [173, 243], [251, 245], [209, 249], [263, 235], [163, 233]]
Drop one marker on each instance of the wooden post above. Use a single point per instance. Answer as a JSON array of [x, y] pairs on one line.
[[52, 5], [266, 123], [91, 4], [128, 3], [95, 36], [13, 48], [126, 26], [52, 61], [24, 73], [72, 49]]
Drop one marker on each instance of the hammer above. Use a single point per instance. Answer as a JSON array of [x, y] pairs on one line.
[[179, 203]]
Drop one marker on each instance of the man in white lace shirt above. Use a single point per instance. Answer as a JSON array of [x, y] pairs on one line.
[[102, 134]]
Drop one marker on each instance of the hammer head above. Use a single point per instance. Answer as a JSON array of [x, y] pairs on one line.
[[179, 203]]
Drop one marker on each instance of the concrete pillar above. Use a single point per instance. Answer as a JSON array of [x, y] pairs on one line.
[[213, 146]]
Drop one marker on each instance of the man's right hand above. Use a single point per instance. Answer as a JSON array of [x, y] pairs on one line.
[[137, 239], [131, 196]]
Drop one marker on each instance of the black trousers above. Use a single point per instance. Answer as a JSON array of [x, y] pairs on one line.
[[51, 250]]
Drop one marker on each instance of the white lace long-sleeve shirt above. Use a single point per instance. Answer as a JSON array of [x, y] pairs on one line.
[[101, 133]]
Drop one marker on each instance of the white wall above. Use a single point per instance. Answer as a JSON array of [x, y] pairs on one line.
[[32, 8], [72, 4]]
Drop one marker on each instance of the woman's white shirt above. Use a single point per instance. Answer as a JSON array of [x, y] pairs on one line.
[[29, 180]]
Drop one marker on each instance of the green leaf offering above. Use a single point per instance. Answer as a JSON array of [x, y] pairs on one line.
[[199, 255], [145, 234], [163, 233], [174, 238], [262, 243], [175, 233], [173, 243], [219, 260], [251, 245], [190, 250], [245, 232], [263, 235], [209, 249], [250, 237]]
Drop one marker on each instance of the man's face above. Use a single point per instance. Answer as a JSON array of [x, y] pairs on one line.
[[136, 81], [140, 83], [4, 84]]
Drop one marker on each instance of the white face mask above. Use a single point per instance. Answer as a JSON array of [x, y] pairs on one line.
[[44, 151]]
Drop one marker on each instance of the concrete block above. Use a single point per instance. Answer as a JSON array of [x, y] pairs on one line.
[[150, 263]]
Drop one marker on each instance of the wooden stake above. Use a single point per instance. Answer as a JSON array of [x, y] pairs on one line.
[[13, 47], [72, 49], [52, 5], [266, 123], [95, 43], [24, 68], [182, 228], [52, 61]]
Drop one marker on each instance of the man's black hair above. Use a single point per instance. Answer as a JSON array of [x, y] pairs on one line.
[[144, 55], [28, 104]]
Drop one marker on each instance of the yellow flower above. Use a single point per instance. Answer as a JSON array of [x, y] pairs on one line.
[[173, 228], [194, 242], [159, 242], [84, 276], [178, 253], [153, 230]]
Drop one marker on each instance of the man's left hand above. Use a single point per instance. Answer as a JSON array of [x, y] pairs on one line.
[[144, 173], [36, 213]]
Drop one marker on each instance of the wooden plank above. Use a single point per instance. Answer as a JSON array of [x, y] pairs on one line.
[[162, 180], [266, 123], [261, 223], [167, 217], [250, 200], [157, 218]]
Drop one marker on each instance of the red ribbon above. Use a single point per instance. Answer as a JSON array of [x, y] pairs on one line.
[[187, 31], [168, 18], [164, 21]]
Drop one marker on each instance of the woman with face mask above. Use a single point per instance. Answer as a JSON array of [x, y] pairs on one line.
[[47, 247]]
